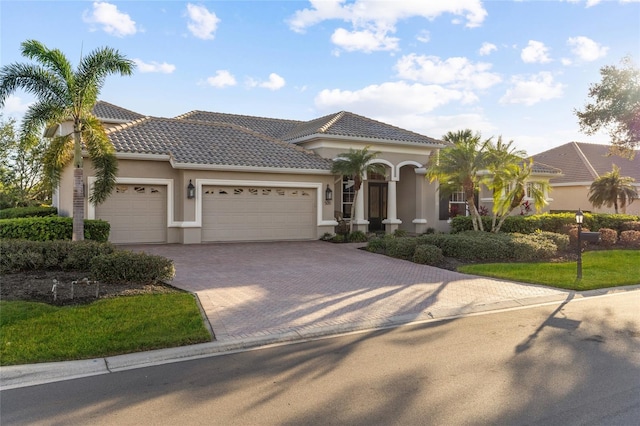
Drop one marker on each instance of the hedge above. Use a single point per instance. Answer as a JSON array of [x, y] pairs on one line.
[[34, 211], [51, 228], [547, 222], [128, 266], [24, 255]]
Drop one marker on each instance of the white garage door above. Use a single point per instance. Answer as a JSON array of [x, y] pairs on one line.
[[137, 214], [258, 214]]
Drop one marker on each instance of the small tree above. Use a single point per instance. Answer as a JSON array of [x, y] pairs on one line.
[[611, 189], [67, 95], [616, 106], [356, 164]]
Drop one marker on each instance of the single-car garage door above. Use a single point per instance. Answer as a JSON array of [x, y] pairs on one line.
[[137, 214], [258, 214]]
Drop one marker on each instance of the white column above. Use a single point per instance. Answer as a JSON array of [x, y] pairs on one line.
[[420, 221], [359, 223], [391, 222]]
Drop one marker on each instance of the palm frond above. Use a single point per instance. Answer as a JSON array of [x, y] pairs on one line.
[[56, 157], [103, 156]]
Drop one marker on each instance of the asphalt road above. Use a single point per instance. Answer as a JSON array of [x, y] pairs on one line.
[[575, 363]]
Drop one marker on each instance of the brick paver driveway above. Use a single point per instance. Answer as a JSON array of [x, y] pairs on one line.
[[259, 289]]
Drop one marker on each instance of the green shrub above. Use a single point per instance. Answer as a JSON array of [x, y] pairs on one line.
[[379, 244], [401, 248], [630, 226], [51, 228], [24, 255], [427, 254], [34, 211], [134, 267], [338, 238], [357, 237], [608, 237], [400, 233], [630, 238], [531, 247], [560, 240]]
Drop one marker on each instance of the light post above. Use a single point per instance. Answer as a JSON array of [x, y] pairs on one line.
[[579, 219]]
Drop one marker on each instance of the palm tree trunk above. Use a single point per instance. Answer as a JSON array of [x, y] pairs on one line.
[[78, 190], [353, 210]]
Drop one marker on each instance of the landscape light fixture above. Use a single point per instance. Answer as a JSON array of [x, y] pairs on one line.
[[191, 190], [579, 220], [328, 194]]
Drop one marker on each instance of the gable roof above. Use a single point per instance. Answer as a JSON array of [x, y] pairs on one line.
[[214, 144], [584, 162]]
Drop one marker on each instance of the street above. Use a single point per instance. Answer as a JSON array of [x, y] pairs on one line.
[[572, 363]]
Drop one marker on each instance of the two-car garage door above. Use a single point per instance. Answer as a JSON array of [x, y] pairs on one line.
[[240, 213]]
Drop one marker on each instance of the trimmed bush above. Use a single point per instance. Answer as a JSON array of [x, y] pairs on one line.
[[608, 237], [630, 239], [630, 226], [51, 228], [400, 233], [532, 247], [401, 248], [23, 255], [428, 254], [379, 244], [560, 240], [357, 237], [34, 211], [133, 267]]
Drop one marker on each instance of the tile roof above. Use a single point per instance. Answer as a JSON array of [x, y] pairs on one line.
[[272, 127], [199, 142], [109, 113], [352, 125], [583, 162]]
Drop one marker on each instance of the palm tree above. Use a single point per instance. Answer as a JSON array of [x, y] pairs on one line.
[[458, 167], [611, 189], [356, 164], [511, 186], [67, 95]]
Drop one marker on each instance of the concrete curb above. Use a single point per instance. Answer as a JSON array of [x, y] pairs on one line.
[[18, 376]]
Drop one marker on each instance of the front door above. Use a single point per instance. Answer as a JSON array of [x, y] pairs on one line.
[[377, 205]]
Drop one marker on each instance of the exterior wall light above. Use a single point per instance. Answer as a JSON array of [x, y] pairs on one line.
[[191, 190], [328, 194]]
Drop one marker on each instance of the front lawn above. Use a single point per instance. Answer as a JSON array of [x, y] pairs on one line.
[[600, 269], [34, 332]]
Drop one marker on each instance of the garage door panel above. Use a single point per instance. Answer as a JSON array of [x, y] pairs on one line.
[[137, 214], [254, 214]]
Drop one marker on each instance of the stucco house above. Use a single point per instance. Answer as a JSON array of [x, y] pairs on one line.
[[213, 177], [581, 163]]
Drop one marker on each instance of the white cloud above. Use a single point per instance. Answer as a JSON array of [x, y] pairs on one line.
[[223, 78], [437, 126], [154, 66], [202, 23], [391, 98], [112, 21], [423, 36], [487, 48], [275, 82], [587, 49], [566, 61], [532, 89], [535, 51], [374, 20], [366, 40], [456, 72], [14, 107]]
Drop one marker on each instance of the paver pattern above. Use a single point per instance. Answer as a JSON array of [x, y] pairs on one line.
[[260, 289]]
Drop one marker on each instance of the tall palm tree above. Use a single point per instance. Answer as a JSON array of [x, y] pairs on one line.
[[356, 164], [64, 94], [611, 189], [458, 167]]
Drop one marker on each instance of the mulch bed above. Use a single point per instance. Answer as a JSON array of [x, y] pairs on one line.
[[37, 286]]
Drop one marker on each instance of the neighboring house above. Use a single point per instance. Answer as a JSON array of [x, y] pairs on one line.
[[211, 177], [581, 163]]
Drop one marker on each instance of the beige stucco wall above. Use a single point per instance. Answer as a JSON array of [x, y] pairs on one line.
[[572, 198]]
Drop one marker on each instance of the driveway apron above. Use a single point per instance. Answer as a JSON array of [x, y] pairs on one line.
[[261, 289]]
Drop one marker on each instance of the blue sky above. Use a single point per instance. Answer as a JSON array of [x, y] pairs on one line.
[[511, 68]]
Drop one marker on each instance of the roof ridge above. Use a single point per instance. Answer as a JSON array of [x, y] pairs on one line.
[[586, 161], [331, 122], [236, 115], [129, 124]]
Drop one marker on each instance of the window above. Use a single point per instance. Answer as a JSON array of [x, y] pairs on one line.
[[347, 196]]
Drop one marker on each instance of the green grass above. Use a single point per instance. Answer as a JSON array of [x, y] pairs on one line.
[[36, 332], [600, 269]]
